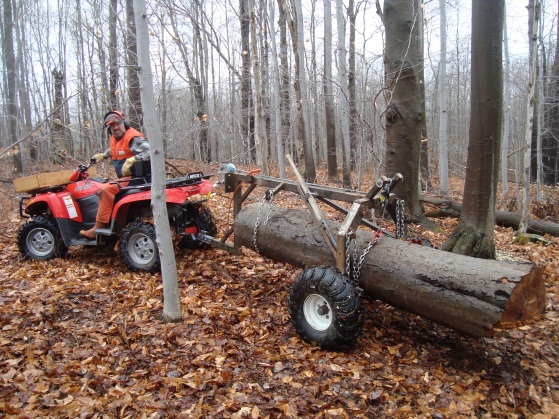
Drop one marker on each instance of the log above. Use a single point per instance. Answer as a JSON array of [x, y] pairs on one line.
[[450, 208], [471, 296]]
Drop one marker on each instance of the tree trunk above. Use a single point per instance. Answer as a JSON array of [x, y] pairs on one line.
[[403, 97], [276, 94], [424, 165], [247, 117], [474, 235], [344, 94], [443, 112], [284, 80], [135, 114], [331, 158], [351, 87], [506, 109], [171, 300], [533, 19], [310, 169], [113, 60], [260, 140], [11, 72], [471, 296], [550, 141]]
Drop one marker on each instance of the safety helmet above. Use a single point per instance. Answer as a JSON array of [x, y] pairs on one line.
[[114, 117]]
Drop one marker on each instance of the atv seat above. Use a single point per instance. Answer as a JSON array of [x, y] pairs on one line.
[[142, 169]]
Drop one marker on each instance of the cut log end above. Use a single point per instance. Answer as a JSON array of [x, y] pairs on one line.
[[527, 299]]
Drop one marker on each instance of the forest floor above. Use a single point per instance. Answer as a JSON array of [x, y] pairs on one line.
[[82, 337]]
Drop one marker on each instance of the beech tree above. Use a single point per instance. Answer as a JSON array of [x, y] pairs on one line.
[[403, 115], [474, 235]]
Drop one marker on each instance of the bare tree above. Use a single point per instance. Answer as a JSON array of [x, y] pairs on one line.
[[310, 169], [550, 141], [135, 114], [260, 140], [474, 234], [276, 99], [11, 74], [403, 116], [171, 299], [247, 117], [533, 19], [343, 104], [443, 112], [331, 151], [113, 59], [506, 110]]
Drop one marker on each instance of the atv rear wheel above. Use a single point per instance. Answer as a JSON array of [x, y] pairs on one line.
[[138, 247], [326, 308], [39, 238], [201, 218]]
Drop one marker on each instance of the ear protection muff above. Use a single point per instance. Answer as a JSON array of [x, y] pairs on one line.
[[120, 114]]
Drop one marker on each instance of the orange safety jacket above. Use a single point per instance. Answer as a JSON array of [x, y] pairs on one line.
[[120, 149]]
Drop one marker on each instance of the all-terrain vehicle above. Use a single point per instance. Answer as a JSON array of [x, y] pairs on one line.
[[58, 213]]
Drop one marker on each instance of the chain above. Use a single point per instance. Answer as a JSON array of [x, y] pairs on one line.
[[348, 253], [400, 219], [353, 262], [268, 196]]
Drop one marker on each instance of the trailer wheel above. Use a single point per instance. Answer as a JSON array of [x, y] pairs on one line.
[[40, 238], [203, 220], [326, 308], [138, 247]]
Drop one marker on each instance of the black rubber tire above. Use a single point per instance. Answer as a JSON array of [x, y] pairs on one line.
[[138, 247], [40, 239], [204, 220], [326, 308]]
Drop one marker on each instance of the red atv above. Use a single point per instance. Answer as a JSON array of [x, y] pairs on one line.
[[58, 213]]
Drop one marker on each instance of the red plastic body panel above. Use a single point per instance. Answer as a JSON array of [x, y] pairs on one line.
[[61, 204], [173, 196], [84, 188]]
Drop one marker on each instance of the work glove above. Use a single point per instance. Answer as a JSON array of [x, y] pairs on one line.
[[98, 157], [127, 166]]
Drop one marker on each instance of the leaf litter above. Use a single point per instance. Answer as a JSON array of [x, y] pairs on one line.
[[82, 337]]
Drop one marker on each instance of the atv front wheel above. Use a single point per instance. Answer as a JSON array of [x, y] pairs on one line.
[[326, 308], [138, 247], [39, 238]]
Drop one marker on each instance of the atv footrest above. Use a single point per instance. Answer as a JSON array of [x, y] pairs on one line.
[[103, 232]]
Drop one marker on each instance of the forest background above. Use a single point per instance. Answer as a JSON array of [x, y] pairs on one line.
[[74, 60], [82, 336]]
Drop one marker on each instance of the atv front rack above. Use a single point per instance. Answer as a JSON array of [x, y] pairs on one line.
[[379, 195]]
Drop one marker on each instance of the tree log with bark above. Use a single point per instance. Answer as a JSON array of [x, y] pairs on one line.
[[450, 208], [472, 296]]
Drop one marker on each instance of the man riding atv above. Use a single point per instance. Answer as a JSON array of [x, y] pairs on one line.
[[127, 146]]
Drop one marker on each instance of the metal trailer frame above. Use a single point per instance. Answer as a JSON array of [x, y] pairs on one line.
[[379, 195]]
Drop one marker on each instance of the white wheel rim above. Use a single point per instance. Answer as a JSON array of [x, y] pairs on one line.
[[40, 242], [318, 312], [141, 249]]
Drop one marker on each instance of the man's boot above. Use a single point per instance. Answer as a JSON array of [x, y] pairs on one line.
[[90, 234]]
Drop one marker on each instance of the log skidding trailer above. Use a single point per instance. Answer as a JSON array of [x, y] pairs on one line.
[[326, 301]]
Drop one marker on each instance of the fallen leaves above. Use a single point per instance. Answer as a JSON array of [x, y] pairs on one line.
[[82, 337]]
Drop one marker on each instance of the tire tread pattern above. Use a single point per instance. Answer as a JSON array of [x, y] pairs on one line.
[[345, 299], [60, 249]]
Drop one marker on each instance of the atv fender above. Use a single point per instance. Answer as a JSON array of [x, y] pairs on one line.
[[61, 205]]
